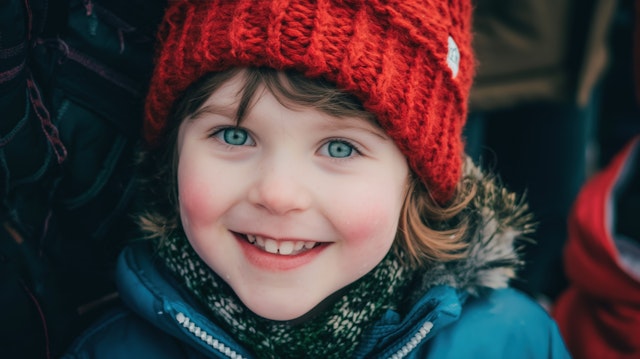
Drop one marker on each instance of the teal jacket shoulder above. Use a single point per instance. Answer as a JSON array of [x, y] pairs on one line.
[[503, 323]]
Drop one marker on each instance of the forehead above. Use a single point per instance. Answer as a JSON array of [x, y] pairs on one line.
[[227, 96], [226, 103]]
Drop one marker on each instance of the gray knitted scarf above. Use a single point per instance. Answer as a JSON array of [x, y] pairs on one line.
[[332, 332]]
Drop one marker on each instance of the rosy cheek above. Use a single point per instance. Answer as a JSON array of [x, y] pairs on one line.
[[195, 199], [371, 224]]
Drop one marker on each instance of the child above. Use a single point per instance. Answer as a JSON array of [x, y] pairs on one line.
[[305, 197]]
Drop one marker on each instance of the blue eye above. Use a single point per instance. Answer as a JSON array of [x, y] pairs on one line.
[[339, 149], [234, 136]]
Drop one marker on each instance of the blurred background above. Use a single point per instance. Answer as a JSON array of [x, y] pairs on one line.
[[553, 100]]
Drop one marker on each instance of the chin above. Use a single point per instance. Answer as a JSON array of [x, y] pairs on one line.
[[291, 308], [278, 312], [282, 306]]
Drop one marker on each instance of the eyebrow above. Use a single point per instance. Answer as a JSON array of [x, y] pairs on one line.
[[347, 123], [228, 111]]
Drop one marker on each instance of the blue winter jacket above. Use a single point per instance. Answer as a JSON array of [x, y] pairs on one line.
[[467, 310]]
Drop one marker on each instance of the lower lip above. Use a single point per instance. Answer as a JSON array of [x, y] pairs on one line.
[[276, 262]]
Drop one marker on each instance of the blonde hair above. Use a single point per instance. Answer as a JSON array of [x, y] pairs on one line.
[[427, 232]]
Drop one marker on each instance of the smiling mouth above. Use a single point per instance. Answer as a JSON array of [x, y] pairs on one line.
[[285, 248]]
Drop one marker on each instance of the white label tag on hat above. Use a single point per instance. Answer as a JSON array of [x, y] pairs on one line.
[[453, 57]]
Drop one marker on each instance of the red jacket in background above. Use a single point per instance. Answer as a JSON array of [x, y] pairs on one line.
[[599, 313]]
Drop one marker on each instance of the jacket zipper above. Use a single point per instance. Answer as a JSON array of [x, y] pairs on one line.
[[206, 337], [415, 340], [183, 320]]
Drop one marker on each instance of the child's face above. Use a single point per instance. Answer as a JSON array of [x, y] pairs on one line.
[[291, 206]]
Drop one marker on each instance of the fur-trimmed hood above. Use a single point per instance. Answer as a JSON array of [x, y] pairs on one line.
[[499, 219]]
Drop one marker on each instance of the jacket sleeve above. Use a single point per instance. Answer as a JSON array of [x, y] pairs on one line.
[[122, 334]]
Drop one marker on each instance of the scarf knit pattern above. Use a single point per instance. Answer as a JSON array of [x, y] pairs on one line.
[[333, 333]]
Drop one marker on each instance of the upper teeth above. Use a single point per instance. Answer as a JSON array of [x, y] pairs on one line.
[[282, 247]]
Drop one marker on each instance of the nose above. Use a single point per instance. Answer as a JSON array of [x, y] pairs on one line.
[[280, 188]]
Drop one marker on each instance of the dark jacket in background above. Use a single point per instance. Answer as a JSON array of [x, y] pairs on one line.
[[73, 76]]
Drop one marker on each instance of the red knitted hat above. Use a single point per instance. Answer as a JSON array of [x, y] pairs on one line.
[[409, 62]]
